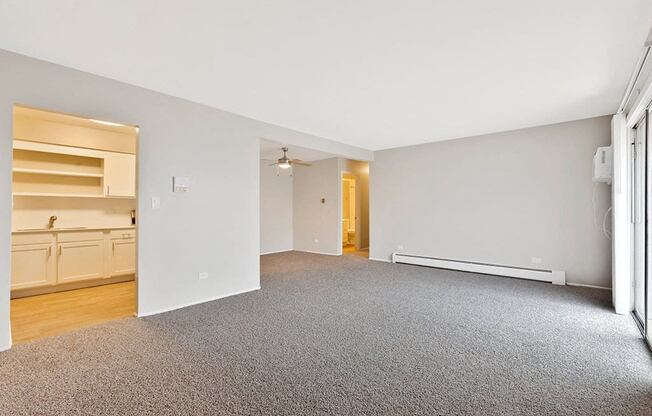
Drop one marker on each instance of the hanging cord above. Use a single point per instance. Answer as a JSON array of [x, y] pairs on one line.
[[605, 231], [602, 226]]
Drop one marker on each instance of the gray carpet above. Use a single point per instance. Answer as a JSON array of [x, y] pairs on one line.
[[345, 336]]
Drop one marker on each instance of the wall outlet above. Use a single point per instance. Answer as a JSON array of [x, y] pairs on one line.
[[203, 275], [400, 247], [156, 202], [536, 260]]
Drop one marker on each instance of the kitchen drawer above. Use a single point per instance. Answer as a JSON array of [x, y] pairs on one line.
[[31, 238], [117, 234], [74, 236]]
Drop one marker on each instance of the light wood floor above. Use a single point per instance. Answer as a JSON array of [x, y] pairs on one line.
[[55, 313], [350, 249]]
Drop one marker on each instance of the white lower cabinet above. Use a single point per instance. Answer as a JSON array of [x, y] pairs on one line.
[[45, 259], [123, 256], [80, 261], [33, 265]]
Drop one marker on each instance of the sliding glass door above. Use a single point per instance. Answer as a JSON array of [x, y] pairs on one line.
[[647, 284], [638, 155], [641, 215]]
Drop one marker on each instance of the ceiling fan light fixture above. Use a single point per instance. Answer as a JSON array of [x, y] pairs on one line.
[[284, 165]]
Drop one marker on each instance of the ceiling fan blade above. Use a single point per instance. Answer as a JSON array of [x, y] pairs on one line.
[[296, 162], [273, 164]]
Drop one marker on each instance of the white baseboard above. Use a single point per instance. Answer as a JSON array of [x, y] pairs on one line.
[[317, 252], [383, 260], [185, 305], [274, 252], [591, 286], [556, 277]]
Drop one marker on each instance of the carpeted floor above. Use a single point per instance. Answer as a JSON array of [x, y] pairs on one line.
[[345, 336]]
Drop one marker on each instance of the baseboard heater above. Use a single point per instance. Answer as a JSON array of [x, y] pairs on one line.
[[556, 277]]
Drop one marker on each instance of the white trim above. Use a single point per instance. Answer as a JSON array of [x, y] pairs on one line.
[[185, 305], [640, 105], [10, 341], [591, 286], [275, 252], [621, 280], [318, 252], [383, 260], [556, 277], [634, 78]]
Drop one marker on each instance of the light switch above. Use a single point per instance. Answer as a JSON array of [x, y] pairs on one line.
[[156, 202], [180, 184]]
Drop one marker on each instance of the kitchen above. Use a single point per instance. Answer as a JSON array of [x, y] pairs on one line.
[[73, 222]]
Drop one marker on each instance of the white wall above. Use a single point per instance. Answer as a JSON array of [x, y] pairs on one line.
[[193, 232], [275, 210], [501, 198], [314, 220], [361, 171], [34, 212]]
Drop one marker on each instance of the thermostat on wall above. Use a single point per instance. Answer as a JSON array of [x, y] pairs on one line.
[[180, 184]]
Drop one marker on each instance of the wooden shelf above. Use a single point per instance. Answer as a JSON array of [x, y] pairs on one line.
[[70, 195], [57, 173]]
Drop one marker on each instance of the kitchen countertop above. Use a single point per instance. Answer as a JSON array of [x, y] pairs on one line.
[[70, 229]]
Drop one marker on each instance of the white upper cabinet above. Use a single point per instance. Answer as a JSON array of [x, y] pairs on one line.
[[120, 175]]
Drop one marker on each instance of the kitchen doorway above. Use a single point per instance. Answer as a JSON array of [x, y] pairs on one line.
[[74, 219]]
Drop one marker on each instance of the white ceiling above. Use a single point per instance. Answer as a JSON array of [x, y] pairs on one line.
[[371, 73], [270, 150]]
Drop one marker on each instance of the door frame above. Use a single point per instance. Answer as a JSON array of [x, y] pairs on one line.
[[137, 200]]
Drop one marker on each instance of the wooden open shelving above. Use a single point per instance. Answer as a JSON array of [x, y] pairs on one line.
[[55, 195], [57, 173], [38, 172]]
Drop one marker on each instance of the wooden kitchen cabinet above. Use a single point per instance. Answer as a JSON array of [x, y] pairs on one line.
[[33, 265], [120, 175], [42, 259], [81, 260], [123, 256]]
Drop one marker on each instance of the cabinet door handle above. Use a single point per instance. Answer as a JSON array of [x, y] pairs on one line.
[[50, 251], [59, 252], [114, 246], [108, 192]]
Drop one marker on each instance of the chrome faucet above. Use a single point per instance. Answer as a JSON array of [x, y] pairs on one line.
[[51, 222]]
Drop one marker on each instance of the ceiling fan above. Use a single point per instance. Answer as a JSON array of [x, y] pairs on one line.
[[286, 163]]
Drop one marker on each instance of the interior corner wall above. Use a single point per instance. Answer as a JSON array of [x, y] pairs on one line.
[[522, 198], [275, 210], [317, 226], [213, 228], [361, 172]]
